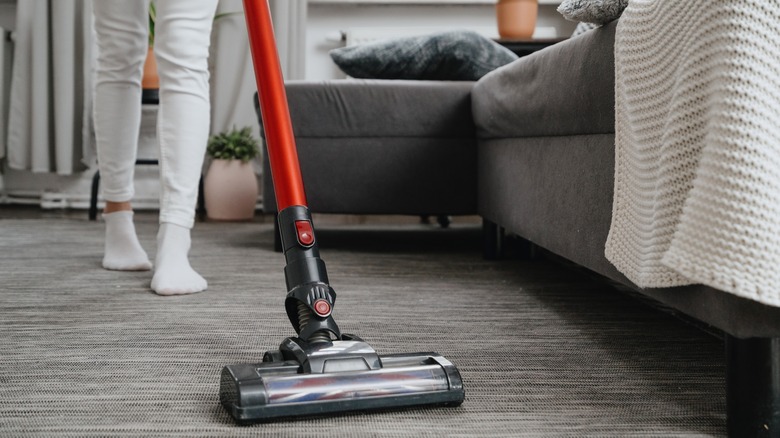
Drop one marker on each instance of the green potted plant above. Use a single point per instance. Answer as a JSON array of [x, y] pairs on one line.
[[230, 187]]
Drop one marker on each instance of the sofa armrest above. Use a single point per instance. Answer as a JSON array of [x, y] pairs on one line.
[[564, 89]]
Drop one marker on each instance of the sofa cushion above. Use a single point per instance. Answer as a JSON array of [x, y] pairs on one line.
[[448, 56], [565, 89]]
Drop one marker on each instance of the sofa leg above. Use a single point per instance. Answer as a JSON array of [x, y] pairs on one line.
[[444, 220], [753, 386], [492, 240], [529, 250]]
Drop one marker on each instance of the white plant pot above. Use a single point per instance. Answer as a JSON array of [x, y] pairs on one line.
[[230, 190]]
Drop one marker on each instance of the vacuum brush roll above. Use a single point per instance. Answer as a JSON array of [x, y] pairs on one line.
[[270, 390]]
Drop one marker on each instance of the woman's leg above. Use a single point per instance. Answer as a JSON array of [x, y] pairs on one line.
[[183, 35], [122, 36]]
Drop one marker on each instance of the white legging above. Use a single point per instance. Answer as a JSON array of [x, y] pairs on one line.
[[182, 37]]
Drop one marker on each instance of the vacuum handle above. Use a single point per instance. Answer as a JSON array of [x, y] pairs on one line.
[[282, 153]]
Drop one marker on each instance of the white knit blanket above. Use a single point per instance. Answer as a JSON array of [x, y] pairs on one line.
[[697, 177]]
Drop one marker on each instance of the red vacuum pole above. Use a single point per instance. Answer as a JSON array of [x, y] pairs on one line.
[[321, 370], [282, 153]]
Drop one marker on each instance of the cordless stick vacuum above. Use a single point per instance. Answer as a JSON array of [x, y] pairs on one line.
[[321, 370]]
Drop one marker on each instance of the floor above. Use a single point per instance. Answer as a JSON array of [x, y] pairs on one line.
[[544, 350]]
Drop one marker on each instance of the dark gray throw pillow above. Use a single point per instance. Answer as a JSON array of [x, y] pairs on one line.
[[447, 56]]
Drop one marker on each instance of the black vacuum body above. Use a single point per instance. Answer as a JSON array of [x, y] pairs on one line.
[[321, 370]]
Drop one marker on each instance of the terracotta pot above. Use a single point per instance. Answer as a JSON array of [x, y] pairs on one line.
[[230, 190], [150, 80], [516, 18]]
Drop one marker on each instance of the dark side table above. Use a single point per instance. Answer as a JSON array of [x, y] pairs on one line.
[[526, 47]]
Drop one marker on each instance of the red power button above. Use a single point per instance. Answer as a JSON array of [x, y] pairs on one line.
[[322, 308], [305, 233]]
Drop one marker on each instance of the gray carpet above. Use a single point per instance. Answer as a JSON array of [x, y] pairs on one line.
[[544, 351]]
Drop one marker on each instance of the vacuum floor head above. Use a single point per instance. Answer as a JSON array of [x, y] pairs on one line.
[[310, 379]]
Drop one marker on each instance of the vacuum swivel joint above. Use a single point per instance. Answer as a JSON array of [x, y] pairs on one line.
[[310, 299], [309, 308]]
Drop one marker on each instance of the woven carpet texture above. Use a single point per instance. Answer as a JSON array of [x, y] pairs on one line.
[[544, 350]]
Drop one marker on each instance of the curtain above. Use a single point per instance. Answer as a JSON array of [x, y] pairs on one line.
[[5, 75], [232, 75], [232, 79], [50, 120], [289, 17]]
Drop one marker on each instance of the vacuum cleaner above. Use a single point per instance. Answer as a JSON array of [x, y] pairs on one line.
[[321, 370]]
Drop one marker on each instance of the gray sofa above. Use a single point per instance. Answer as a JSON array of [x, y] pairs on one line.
[[530, 148], [360, 154]]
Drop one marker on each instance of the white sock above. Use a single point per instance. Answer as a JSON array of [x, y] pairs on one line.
[[123, 252], [173, 274]]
